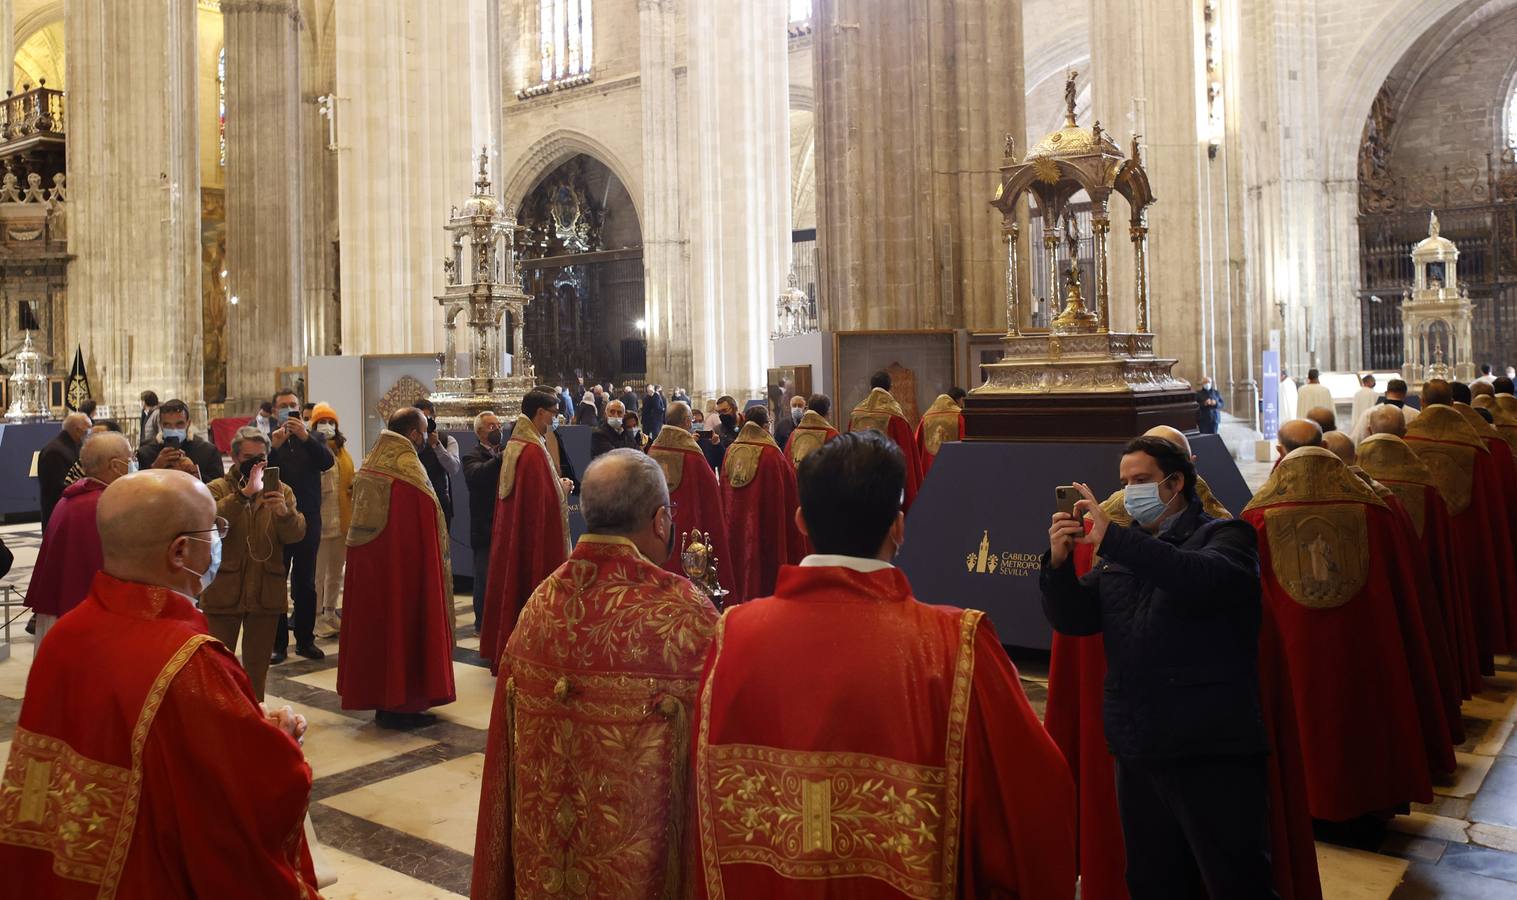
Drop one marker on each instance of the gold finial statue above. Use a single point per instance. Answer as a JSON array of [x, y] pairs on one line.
[[1075, 319], [1011, 146], [697, 559], [1135, 150], [1432, 224], [1069, 99]]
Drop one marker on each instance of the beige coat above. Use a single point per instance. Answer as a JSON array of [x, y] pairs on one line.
[[252, 577]]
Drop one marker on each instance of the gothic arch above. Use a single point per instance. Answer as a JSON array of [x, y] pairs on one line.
[[36, 20], [1384, 44], [551, 151]]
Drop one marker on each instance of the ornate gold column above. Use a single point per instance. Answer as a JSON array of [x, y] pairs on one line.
[[1012, 233], [1139, 235], [265, 330], [1051, 255], [1099, 226]]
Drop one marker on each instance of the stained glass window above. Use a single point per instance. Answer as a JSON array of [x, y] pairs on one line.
[[567, 39], [221, 102]]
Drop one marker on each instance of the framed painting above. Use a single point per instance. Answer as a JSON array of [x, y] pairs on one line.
[[921, 365]]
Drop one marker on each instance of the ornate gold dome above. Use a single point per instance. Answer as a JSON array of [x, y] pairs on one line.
[[1072, 140]]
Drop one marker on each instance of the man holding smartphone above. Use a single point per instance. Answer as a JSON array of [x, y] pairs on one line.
[[177, 448], [1176, 597], [301, 457]]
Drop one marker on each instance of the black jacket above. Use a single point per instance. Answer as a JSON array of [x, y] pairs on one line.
[[652, 417], [604, 439], [201, 452], [1180, 617], [783, 428], [53, 463], [301, 463], [442, 485], [481, 475]]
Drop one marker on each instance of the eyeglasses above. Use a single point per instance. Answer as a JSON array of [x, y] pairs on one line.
[[221, 528], [671, 506]]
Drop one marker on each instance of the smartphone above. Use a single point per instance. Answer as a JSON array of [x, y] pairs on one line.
[[1065, 497], [171, 441], [271, 479]]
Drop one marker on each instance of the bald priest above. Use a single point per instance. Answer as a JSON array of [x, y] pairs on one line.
[[166, 779]]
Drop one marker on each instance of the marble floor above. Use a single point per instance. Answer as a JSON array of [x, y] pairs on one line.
[[395, 812]]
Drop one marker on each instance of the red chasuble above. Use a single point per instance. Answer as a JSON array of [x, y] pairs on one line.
[[1427, 652], [1076, 680], [396, 650], [1337, 612], [881, 412], [1468, 476], [1392, 462], [70, 554], [164, 780], [943, 423], [760, 499], [697, 497], [813, 431], [1505, 499], [531, 536], [853, 742], [588, 757]]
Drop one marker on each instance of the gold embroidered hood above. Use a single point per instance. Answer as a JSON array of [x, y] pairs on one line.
[[1449, 447], [875, 412], [1312, 474], [809, 435], [669, 450], [940, 424], [741, 463], [523, 437]]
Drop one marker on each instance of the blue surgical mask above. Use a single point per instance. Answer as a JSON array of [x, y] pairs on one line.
[[209, 575], [175, 434], [1143, 503], [131, 466], [554, 425], [283, 413]]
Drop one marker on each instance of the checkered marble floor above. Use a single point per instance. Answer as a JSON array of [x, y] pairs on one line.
[[395, 811]]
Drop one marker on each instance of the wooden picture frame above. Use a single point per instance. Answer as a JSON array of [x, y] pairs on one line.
[[929, 354], [57, 390]]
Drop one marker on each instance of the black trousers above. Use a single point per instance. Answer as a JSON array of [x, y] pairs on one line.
[[481, 576], [1196, 828], [300, 560]]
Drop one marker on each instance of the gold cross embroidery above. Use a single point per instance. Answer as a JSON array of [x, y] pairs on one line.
[[39, 776], [816, 816]]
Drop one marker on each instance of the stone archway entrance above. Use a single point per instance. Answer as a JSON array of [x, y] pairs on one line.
[[582, 262]]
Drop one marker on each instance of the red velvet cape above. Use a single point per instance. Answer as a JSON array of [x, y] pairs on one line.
[[528, 542], [698, 501], [761, 529], [925, 458], [1505, 539], [70, 554], [1422, 626], [163, 779], [898, 430], [1076, 680], [1360, 725], [844, 679], [396, 647]]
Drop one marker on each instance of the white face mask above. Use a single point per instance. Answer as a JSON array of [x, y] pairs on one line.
[[327, 428]]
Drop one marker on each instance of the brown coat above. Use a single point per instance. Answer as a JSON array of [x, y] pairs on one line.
[[252, 575]]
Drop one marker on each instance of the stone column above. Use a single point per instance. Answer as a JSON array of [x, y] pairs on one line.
[[406, 88], [666, 295], [914, 98], [8, 42], [739, 86], [320, 311], [134, 198], [1150, 76], [264, 197]]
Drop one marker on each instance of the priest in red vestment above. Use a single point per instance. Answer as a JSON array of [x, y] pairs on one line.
[[587, 762], [813, 431], [693, 488], [1392, 462], [165, 780], [943, 423], [1470, 479], [1361, 729], [396, 652], [881, 412], [1503, 495], [1433, 674], [760, 500], [531, 532], [70, 554], [852, 741]]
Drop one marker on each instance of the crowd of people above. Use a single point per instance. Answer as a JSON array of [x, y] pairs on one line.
[[1221, 678]]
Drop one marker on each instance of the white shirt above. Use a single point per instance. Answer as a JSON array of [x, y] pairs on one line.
[[447, 454], [1287, 400], [1311, 396], [1486, 379], [1362, 428], [1364, 398], [856, 563]]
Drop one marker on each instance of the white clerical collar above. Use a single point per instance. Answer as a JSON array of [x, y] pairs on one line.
[[856, 563]]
